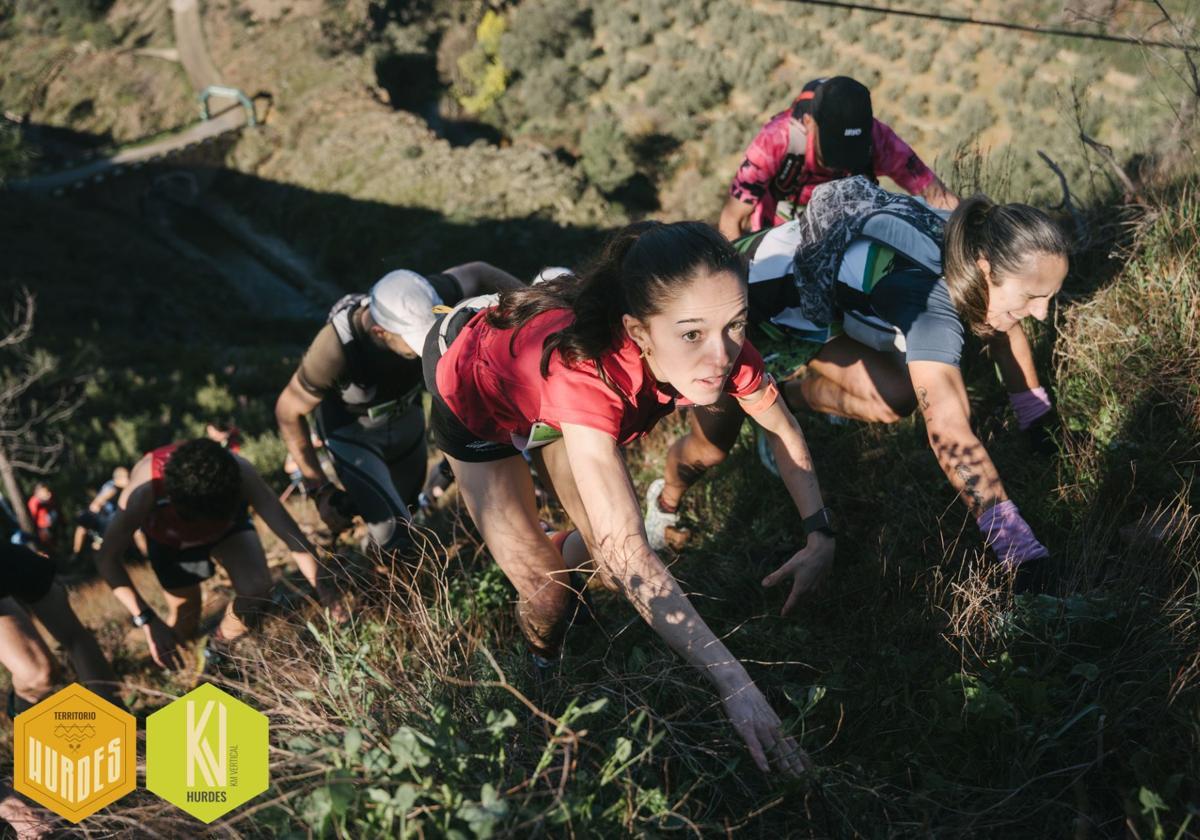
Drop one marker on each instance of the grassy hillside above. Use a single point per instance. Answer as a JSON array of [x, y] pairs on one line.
[[933, 703]]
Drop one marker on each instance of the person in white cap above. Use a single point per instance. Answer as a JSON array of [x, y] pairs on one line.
[[361, 378]]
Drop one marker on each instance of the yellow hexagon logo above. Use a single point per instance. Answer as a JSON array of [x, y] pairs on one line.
[[207, 753], [74, 753]]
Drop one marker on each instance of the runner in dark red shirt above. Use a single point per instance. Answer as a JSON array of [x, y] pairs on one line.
[[568, 371], [192, 502], [43, 510]]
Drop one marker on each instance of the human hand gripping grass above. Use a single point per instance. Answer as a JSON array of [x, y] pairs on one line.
[[808, 566], [807, 569], [757, 724]]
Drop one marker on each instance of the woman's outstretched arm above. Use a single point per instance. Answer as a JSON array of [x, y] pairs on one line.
[[623, 555]]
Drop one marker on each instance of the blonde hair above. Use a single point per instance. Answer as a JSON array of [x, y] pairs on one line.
[[1006, 235]]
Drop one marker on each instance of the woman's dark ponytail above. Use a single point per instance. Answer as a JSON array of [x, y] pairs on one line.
[[635, 272]]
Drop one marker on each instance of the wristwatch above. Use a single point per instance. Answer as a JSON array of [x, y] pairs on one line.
[[820, 522], [144, 617]]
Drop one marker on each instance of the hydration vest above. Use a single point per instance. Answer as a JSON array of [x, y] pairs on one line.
[[786, 180], [164, 524], [824, 297], [360, 394]]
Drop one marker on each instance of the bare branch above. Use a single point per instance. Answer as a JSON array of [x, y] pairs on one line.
[[1132, 194], [1067, 203], [21, 320]]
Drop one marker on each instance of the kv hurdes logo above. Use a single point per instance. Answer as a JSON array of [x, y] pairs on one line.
[[74, 753], [223, 746]]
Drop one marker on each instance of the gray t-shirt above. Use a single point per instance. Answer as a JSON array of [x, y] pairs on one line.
[[918, 303]]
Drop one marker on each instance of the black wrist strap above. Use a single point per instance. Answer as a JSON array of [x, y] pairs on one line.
[[144, 617], [820, 522]]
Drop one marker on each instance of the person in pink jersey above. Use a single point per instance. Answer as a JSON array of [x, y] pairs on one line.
[[567, 372], [830, 132]]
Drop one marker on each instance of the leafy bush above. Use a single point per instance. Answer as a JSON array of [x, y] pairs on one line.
[[691, 91], [976, 116], [542, 30], [947, 103], [482, 73], [920, 59], [16, 158], [627, 70], [604, 150]]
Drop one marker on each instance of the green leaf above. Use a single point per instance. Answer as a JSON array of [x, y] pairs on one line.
[[317, 808], [404, 798], [591, 708], [1088, 670], [483, 815], [498, 722], [409, 747], [1151, 802], [301, 745], [352, 741]]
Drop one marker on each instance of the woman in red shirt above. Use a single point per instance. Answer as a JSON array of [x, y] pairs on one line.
[[571, 369]]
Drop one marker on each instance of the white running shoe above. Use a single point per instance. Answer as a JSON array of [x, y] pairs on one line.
[[657, 522]]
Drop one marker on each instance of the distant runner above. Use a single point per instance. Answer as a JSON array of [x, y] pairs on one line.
[[865, 280], [100, 511], [225, 432], [43, 510], [192, 501], [361, 380], [830, 132]]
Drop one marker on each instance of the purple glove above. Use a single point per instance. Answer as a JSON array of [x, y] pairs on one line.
[[1029, 406], [1008, 535]]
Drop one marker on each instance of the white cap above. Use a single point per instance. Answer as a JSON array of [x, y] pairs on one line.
[[551, 273], [402, 302]]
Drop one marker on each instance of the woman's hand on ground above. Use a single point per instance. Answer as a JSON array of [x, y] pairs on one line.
[[331, 599], [758, 725], [163, 644], [807, 568]]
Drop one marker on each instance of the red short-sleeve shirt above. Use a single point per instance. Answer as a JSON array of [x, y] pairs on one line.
[[500, 393]]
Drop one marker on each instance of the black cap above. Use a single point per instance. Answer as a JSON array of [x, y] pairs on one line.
[[842, 109]]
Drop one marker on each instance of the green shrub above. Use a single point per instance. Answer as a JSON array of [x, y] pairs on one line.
[[689, 91], [16, 158], [542, 30], [482, 74], [627, 70], [604, 150], [920, 59], [947, 103]]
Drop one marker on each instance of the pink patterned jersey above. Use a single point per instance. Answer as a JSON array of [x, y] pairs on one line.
[[769, 174]]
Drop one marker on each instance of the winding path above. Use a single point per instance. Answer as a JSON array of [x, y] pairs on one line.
[[201, 72]]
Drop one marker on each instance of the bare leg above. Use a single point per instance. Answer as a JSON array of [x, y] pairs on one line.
[[499, 496], [77, 542], [28, 822], [183, 610], [714, 430], [242, 556], [851, 380], [91, 666], [24, 654]]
